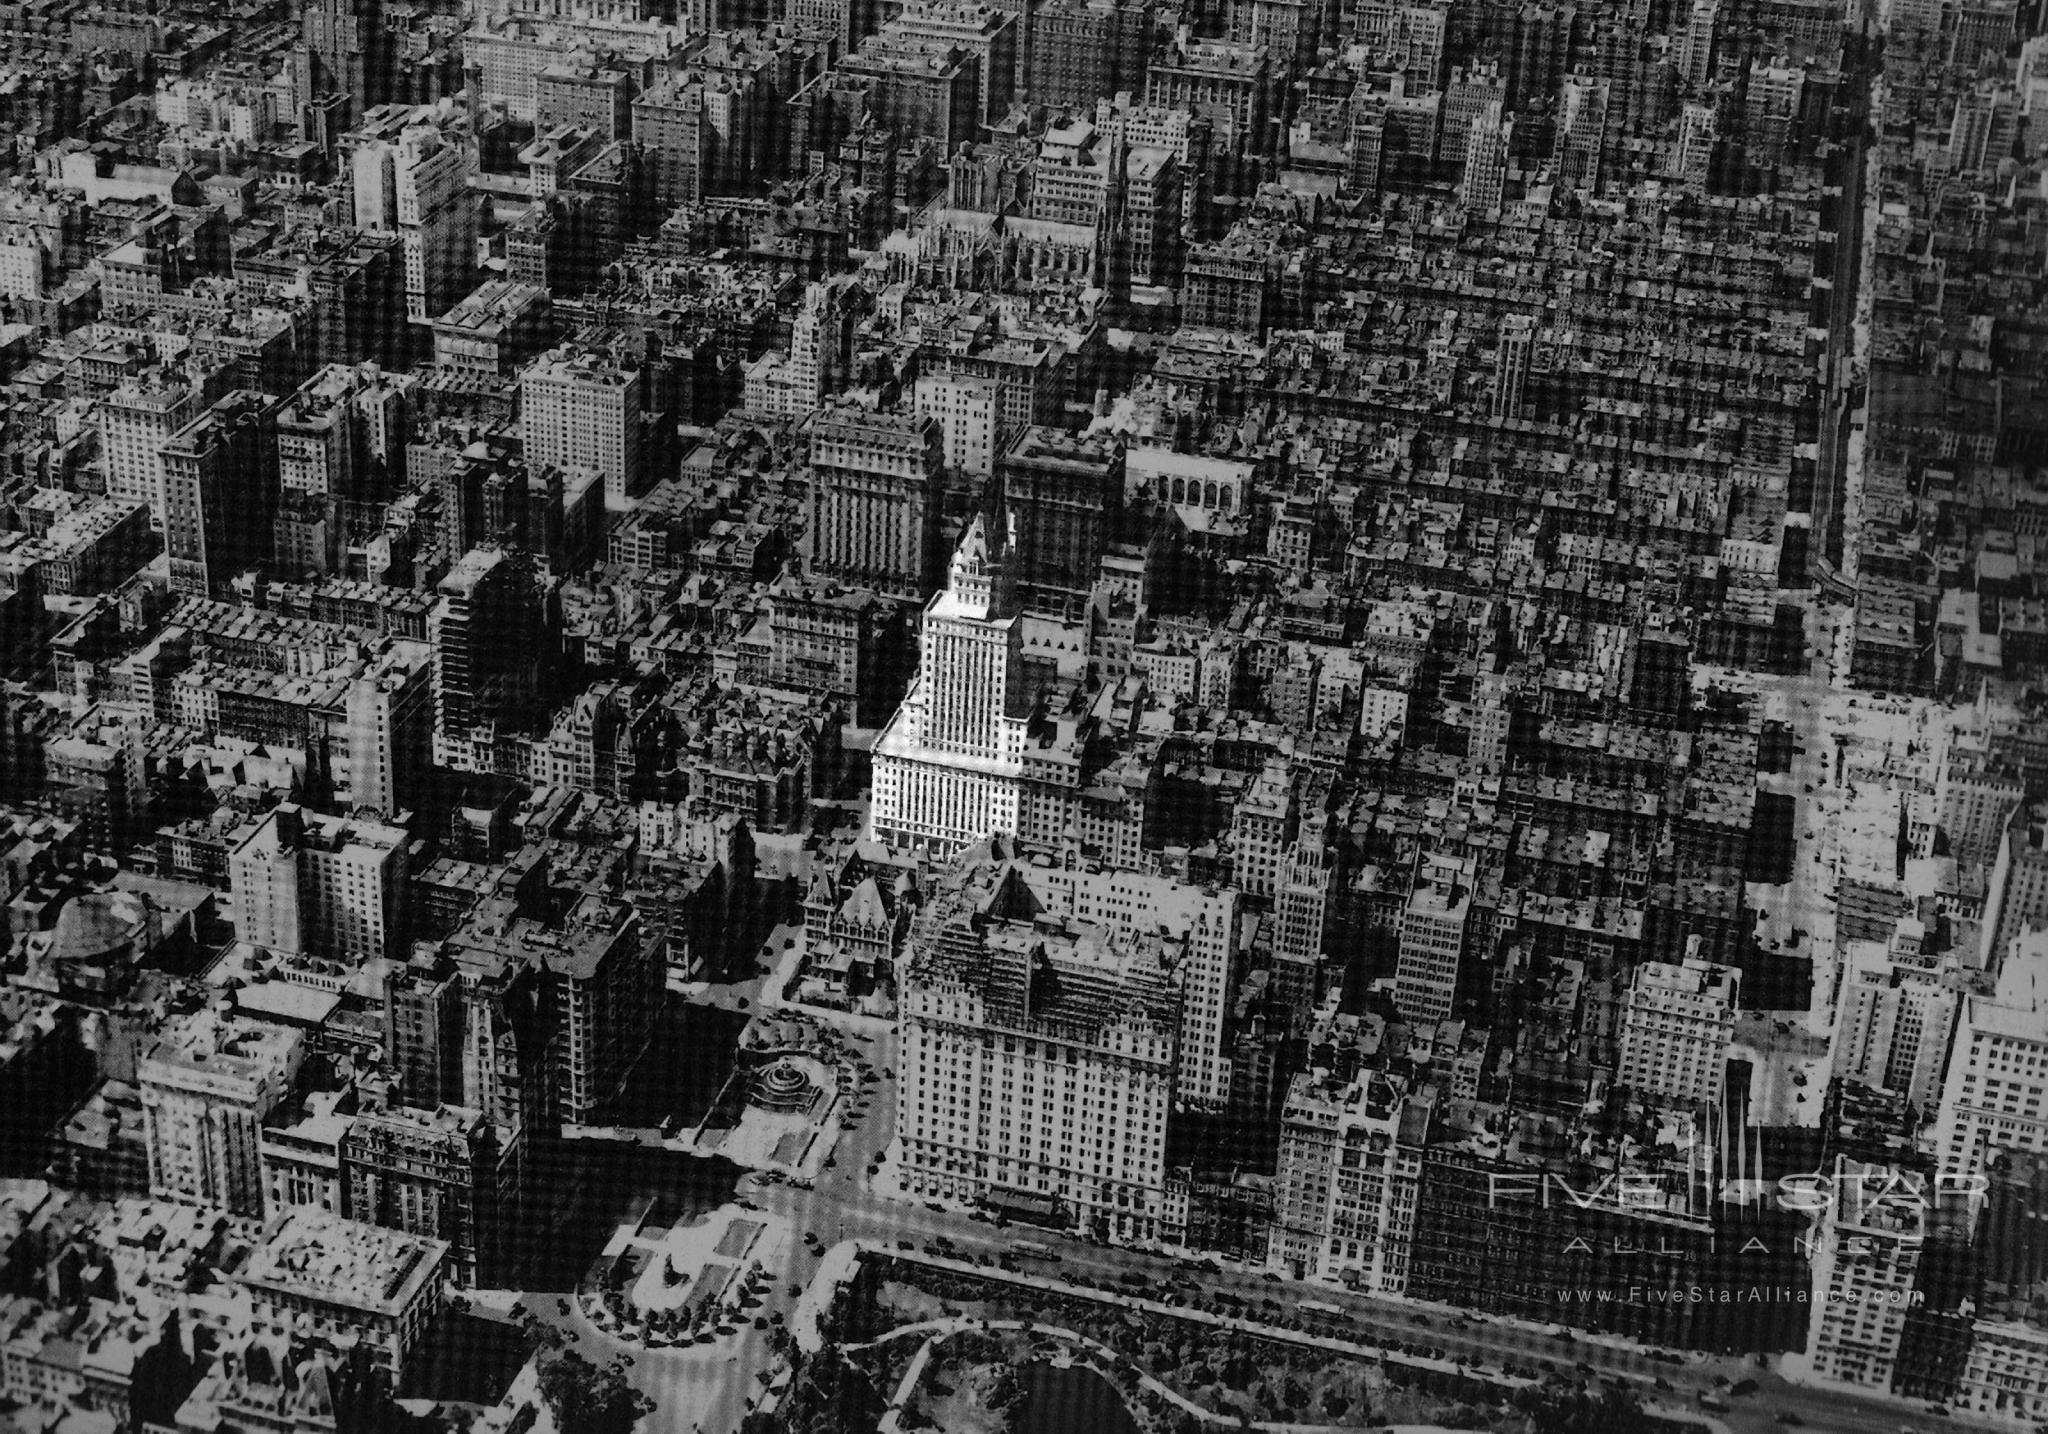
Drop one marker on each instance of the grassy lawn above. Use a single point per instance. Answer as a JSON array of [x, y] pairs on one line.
[[902, 1303]]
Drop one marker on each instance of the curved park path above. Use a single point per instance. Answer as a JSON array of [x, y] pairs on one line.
[[933, 1331]]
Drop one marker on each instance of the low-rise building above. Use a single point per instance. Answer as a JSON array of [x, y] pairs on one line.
[[320, 1275]]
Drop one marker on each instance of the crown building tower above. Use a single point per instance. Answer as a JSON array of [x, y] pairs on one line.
[[949, 765]]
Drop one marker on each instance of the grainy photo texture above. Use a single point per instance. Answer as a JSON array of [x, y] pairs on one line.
[[1023, 716]]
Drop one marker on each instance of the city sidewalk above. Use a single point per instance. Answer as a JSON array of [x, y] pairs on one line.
[[839, 1261]]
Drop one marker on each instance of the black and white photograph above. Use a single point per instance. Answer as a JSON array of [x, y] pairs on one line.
[[1023, 716]]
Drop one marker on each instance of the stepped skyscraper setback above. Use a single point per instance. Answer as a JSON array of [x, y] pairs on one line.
[[949, 766]]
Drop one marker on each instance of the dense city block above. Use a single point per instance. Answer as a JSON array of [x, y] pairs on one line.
[[1023, 716]]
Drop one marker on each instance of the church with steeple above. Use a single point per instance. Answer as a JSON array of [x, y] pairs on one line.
[[1087, 211]]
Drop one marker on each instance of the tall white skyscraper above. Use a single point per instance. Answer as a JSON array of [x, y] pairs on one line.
[[1984, 125], [1349, 1173], [1484, 182], [383, 736], [1864, 1266], [1698, 128], [1676, 1021], [205, 1090], [1696, 43], [135, 421], [1581, 132], [582, 410], [416, 185], [1511, 364], [1433, 939], [970, 413], [321, 886], [1996, 1095], [949, 765], [792, 385], [1893, 1027]]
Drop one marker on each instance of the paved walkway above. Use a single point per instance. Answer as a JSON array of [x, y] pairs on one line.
[[774, 989], [935, 1330], [907, 1386]]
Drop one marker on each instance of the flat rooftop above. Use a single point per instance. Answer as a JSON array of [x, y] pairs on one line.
[[320, 1256]]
